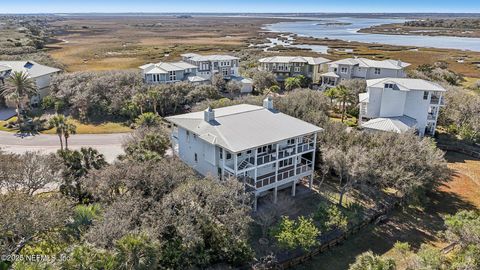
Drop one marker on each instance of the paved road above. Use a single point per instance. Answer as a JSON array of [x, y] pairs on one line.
[[108, 144]]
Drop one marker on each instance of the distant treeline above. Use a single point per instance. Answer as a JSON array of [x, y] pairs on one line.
[[446, 23]]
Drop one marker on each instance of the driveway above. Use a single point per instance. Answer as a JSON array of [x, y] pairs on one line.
[[109, 145]]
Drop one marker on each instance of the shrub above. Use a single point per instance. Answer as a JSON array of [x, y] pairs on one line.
[[300, 233]]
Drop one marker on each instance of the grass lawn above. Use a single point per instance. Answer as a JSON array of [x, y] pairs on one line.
[[104, 128], [413, 225], [2, 123]]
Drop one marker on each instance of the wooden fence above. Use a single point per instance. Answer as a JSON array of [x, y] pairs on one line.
[[331, 239]]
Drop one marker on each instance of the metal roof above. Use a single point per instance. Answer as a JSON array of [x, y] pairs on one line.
[[33, 69], [330, 74], [241, 127], [364, 62], [214, 57], [295, 59], [399, 124], [406, 84], [196, 79], [165, 67]]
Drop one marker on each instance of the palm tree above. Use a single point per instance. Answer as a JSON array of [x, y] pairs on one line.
[[154, 96], [344, 95], [18, 87], [292, 83], [272, 89], [331, 93], [69, 129], [140, 99], [148, 120], [58, 122]]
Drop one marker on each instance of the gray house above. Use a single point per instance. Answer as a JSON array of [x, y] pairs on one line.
[[208, 65], [291, 66], [169, 72]]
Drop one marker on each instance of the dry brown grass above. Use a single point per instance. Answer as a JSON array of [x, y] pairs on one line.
[[414, 225], [115, 42]]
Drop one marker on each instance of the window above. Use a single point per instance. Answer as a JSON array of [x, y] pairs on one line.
[[194, 137], [425, 95], [389, 85], [291, 141], [225, 71], [196, 157], [239, 154], [172, 75], [249, 152], [377, 71], [229, 156], [297, 69], [344, 70]]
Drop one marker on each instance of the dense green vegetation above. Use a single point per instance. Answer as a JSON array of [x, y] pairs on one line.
[[446, 23]]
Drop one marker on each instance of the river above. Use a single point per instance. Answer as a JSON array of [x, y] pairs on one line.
[[347, 29]]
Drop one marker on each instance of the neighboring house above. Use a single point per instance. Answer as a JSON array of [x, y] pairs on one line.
[[401, 104], [263, 148], [170, 72], [40, 74], [247, 84], [362, 68], [210, 64], [291, 66]]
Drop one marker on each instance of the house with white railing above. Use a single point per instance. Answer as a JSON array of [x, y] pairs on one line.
[[264, 149], [400, 105], [207, 65], [170, 72], [290, 66], [362, 68]]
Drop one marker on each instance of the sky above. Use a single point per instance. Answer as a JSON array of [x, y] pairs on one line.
[[250, 6]]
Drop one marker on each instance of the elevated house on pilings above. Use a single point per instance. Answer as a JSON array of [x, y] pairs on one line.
[[264, 149]]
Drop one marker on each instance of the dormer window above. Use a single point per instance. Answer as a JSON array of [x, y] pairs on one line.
[[344, 70], [389, 86]]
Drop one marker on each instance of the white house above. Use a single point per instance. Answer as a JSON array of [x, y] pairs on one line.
[[208, 65], [291, 66], [265, 149], [170, 72], [40, 74], [362, 68], [401, 104]]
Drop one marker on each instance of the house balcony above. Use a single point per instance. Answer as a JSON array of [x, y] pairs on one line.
[[436, 100], [284, 175]]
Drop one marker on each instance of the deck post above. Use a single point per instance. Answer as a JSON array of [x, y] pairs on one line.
[[276, 174], [256, 169], [223, 164], [310, 183], [275, 193], [294, 186]]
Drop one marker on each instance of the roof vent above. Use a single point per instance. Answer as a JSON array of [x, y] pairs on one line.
[[208, 115], [268, 103]]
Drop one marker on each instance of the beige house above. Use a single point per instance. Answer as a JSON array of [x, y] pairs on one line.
[[291, 66]]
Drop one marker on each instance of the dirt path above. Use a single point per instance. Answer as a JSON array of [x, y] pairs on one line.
[[415, 226]]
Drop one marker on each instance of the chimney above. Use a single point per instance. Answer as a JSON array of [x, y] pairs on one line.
[[268, 103], [399, 63], [208, 115]]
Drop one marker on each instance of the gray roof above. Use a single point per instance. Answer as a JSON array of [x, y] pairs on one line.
[[165, 67], [364, 62], [330, 74], [241, 127], [406, 84], [243, 80], [33, 69], [196, 79], [295, 59], [399, 124], [213, 57]]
